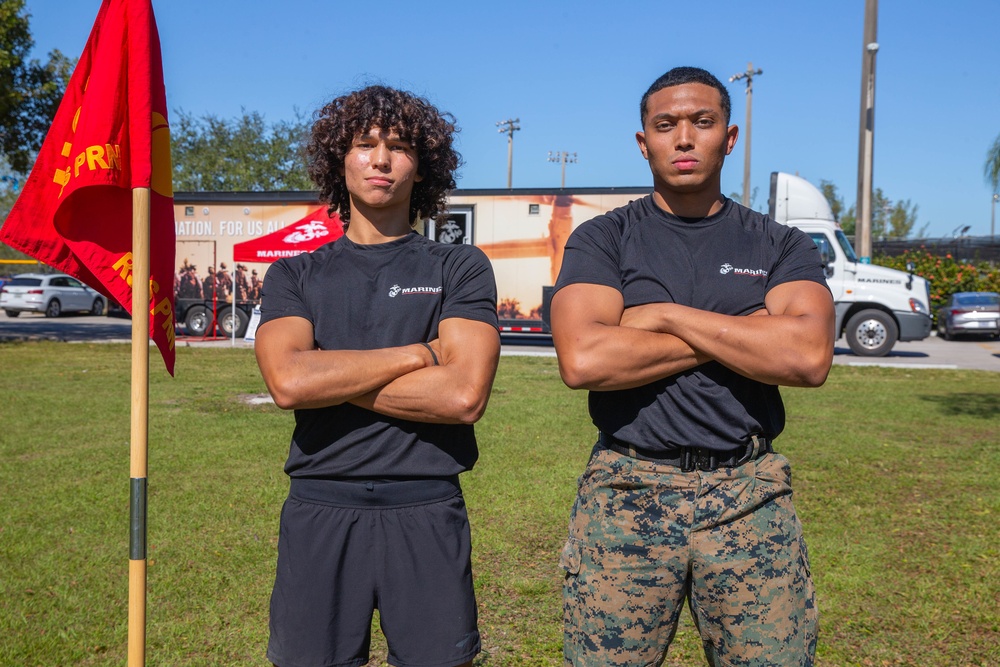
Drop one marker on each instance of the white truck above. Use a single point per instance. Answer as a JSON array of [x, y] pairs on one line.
[[875, 306]]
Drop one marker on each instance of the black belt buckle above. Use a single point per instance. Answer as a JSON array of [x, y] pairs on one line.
[[696, 458], [687, 459]]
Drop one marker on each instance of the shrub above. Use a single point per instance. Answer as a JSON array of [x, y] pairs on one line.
[[945, 275]]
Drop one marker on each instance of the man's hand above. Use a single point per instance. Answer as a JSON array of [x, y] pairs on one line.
[[597, 350], [454, 392], [792, 346], [646, 317]]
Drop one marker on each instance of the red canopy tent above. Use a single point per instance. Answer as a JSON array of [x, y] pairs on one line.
[[305, 235]]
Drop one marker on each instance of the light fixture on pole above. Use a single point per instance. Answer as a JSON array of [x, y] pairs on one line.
[[563, 157], [748, 75], [509, 127]]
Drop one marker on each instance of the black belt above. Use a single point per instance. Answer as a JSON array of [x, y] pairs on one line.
[[689, 459]]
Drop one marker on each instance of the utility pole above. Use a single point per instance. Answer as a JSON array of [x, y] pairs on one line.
[[564, 157], [509, 127], [748, 75], [993, 213], [866, 138]]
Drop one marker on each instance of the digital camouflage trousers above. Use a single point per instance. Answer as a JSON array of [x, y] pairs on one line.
[[644, 537]]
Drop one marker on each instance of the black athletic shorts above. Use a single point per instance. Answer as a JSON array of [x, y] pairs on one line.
[[347, 548]]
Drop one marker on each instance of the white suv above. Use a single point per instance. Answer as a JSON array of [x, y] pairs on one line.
[[52, 294]]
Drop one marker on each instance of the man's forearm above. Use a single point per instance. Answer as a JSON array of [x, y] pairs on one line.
[[792, 350], [433, 395], [455, 389], [321, 378], [607, 357]]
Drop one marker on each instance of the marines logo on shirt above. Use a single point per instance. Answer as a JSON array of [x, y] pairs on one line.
[[396, 290], [729, 268]]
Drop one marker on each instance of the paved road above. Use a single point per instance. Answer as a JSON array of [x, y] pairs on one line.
[[979, 354]]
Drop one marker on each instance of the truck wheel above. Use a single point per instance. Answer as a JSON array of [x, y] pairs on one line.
[[226, 322], [871, 333], [196, 320]]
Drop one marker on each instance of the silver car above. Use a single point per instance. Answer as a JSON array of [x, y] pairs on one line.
[[52, 294], [970, 313]]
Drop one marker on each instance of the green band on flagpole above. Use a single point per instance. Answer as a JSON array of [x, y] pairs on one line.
[[137, 515]]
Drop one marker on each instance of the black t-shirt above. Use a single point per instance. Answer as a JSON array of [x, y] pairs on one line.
[[725, 263], [365, 297]]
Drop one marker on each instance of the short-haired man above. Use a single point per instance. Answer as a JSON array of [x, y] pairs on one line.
[[681, 313], [385, 344]]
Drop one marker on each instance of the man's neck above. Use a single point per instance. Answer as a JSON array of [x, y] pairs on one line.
[[700, 204], [369, 226]]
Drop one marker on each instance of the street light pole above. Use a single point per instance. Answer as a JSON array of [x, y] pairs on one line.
[[866, 139], [748, 75], [993, 213], [563, 157], [509, 126]]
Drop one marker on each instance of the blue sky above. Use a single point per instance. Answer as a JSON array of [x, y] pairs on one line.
[[573, 72]]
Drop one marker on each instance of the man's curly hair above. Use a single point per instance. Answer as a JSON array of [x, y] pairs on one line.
[[415, 119]]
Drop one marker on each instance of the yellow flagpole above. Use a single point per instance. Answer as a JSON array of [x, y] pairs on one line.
[[140, 429]]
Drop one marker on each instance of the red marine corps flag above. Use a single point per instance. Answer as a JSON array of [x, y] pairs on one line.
[[109, 137]]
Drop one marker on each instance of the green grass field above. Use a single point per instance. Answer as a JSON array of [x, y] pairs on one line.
[[897, 478]]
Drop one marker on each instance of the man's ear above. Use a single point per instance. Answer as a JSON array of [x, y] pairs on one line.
[[732, 133], [640, 138]]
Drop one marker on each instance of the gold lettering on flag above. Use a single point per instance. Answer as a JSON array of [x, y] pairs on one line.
[[162, 308], [124, 268]]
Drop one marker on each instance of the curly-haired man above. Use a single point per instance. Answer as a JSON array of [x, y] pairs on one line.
[[385, 344]]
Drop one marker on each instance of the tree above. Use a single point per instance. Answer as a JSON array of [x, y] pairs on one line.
[[738, 197], [10, 186], [881, 205], [902, 218], [991, 170], [214, 154], [30, 92], [836, 202], [849, 221], [891, 221]]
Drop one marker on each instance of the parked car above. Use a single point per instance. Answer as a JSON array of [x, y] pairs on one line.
[[52, 294], [970, 313]]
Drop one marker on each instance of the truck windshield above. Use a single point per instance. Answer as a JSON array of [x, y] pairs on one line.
[[845, 245]]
